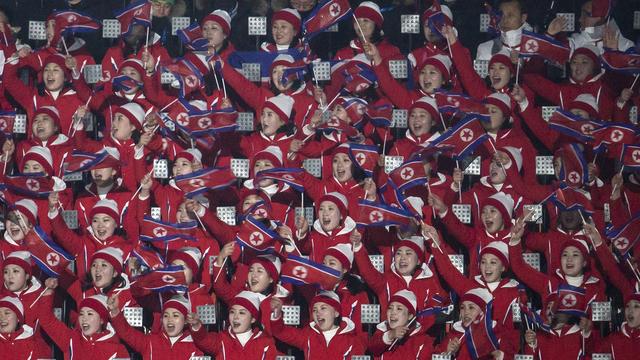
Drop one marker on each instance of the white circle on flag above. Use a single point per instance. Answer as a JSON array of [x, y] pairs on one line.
[[204, 123], [159, 232], [407, 174], [168, 279], [531, 46], [569, 300], [466, 135], [376, 216], [33, 185], [621, 243], [196, 182], [300, 271], [256, 238], [53, 259]]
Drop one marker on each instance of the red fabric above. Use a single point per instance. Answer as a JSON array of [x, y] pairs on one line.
[[387, 50], [225, 345], [623, 344], [22, 344], [417, 346]]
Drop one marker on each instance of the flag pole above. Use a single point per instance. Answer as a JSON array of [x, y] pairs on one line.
[[364, 40], [634, 82], [64, 43], [517, 71], [149, 27], [459, 184]]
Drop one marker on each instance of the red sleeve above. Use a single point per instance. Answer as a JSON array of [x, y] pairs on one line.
[[613, 271], [136, 339], [394, 91], [374, 279], [290, 335], [376, 344], [544, 87], [209, 342], [471, 81], [56, 329], [533, 278], [223, 232], [20, 92], [312, 186], [66, 238], [253, 95], [223, 288], [153, 92], [82, 89], [532, 116], [466, 235], [450, 274]]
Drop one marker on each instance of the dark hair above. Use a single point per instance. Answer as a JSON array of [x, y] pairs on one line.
[[87, 283], [288, 127], [353, 283], [521, 4], [296, 85], [376, 36], [7, 12]]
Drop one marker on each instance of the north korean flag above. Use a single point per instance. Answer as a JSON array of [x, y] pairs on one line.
[[188, 75], [7, 119], [204, 180], [612, 136], [155, 230], [376, 214], [626, 236], [408, 175], [568, 199], [34, 186], [574, 170], [148, 257], [297, 270], [461, 139], [324, 15], [255, 235], [136, 13], [380, 115], [202, 123], [449, 102], [480, 338], [168, 279], [533, 44], [625, 62], [573, 125], [125, 83], [630, 156], [82, 161], [48, 255], [289, 176], [364, 157], [192, 38], [293, 73], [336, 125]]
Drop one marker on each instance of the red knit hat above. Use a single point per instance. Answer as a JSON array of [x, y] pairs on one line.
[[328, 297], [97, 303], [502, 101], [515, 155], [42, 156], [192, 155], [440, 62], [135, 64], [479, 296], [587, 103], [222, 18], [112, 255], [503, 57], [343, 253], [335, 197], [499, 249], [504, 203], [28, 209], [244, 192], [248, 300], [179, 303], [581, 245], [370, 10], [134, 112], [108, 207], [415, 243], [59, 60], [14, 304], [632, 296], [292, 16], [50, 111], [406, 298], [271, 153], [426, 103], [191, 256], [112, 160], [281, 105], [19, 258], [285, 60], [270, 263], [589, 51]]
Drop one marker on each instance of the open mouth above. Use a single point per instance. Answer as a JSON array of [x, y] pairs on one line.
[[235, 324], [101, 233], [326, 222], [85, 327], [253, 283], [496, 79], [15, 232], [171, 328], [488, 224]]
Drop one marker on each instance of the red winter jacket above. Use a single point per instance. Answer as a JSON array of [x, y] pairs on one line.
[[115, 55], [387, 50], [226, 345], [90, 195], [567, 341], [344, 344], [23, 344], [415, 345], [156, 346], [515, 138], [102, 346], [550, 243], [622, 344], [457, 331], [317, 241], [59, 145], [406, 146]]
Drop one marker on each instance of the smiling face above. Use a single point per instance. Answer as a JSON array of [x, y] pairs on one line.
[[329, 216], [324, 316], [430, 79], [188, 273], [12, 224], [240, 319], [512, 16], [405, 260], [103, 177], [632, 314], [15, 278], [260, 165], [270, 121], [367, 26], [53, 77], [182, 215], [102, 273], [103, 226], [212, 31], [469, 312], [283, 32], [43, 127], [398, 315], [121, 127], [341, 166], [581, 67], [491, 219], [258, 278], [420, 122], [182, 166], [572, 262], [8, 321], [90, 322], [172, 322], [496, 121], [499, 75], [491, 268], [340, 113]]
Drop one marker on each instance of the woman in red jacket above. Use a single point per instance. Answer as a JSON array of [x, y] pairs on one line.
[[328, 336], [409, 271], [423, 118], [16, 337], [17, 224], [174, 341], [285, 31], [400, 336], [93, 335], [216, 28], [243, 339], [367, 26]]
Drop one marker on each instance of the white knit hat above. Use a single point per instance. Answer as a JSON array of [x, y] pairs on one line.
[[499, 249], [335, 197], [15, 305], [328, 297], [342, 252], [478, 296], [370, 10], [406, 298], [179, 303], [502, 101], [514, 154], [503, 202], [428, 104], [191, 256], [20, 258], [281, 105], [193, 155], [106, 206], [221, 17], [292, 16], [586, 102], [113, 255], [415, 243], [282, 59], [271, 153], [134, 112], [42, 156], [248, 300], [28, 208]]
